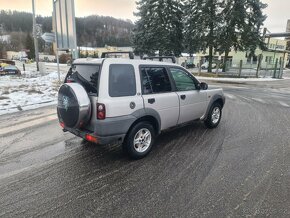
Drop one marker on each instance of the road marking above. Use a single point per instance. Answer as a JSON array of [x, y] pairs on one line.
[[230, 96], [28, 124], [283, 104], [259, 100], [246, 99]]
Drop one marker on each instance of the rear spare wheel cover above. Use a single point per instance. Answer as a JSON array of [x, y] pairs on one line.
[[74, 105]]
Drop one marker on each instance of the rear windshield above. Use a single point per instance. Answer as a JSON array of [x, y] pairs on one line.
[[86, 75]]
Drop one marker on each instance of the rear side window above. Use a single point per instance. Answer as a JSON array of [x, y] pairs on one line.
[[155, 80], [86, 75], [122, 80]]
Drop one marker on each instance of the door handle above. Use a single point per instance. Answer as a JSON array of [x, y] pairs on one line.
[[183, 97], [151, 100]]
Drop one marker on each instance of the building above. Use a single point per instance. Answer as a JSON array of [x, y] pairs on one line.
[[99, 50], [276, 51]]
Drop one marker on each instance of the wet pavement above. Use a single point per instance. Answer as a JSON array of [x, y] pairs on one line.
[[240, 169]]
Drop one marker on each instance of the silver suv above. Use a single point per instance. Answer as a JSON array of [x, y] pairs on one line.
[[131, 101]]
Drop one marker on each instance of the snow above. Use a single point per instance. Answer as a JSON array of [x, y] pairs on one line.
[[55, 64], [5, 38], [30, 90], [87, 49], [266, 79]]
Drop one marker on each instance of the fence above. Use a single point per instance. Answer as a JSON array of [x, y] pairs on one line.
[[253, 69]]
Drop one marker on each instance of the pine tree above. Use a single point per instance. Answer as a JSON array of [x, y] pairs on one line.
[[159, 27], [240, 30], [202, 26], [29, 44]]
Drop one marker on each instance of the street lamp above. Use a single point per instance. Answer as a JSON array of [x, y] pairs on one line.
[[35, 36]]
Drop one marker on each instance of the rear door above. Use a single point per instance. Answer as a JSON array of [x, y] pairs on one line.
[[88, 76], [158, 94], [120, 91], [193, 102]]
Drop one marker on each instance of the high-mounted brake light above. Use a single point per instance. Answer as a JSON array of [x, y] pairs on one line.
[[101, 111]]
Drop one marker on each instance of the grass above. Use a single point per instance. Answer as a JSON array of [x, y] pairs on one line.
[[5, 92], [3, 97], [34, 91]]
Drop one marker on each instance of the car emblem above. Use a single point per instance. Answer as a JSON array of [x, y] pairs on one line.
[[65, 101]]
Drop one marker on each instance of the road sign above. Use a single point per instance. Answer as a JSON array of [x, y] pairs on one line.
[[64, 17], [48, 37], [38, 30]]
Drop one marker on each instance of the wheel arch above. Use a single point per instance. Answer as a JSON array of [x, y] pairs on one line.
[[147, 118], [220, 99]]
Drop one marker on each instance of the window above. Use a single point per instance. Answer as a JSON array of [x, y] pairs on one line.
[[86, 75], [183, 81], [252, 59], [155, 80], [268, 59], [122, 80]]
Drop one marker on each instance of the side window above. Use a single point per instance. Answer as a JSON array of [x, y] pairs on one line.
[[122, 80], [155, 80], [182, 80]]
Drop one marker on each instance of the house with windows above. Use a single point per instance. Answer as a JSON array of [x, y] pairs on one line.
[[276, 50]]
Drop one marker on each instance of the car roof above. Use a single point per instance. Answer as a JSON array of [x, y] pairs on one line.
[[120, 61]]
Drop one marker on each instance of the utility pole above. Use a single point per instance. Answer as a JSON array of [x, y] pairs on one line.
[[35, 36]]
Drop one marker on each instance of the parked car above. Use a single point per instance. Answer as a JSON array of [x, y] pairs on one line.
[[8, 69], [188, 65], [206, 65], [132, 101]]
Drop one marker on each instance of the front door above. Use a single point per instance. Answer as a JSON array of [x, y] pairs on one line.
[[192, 101], [158, 95]]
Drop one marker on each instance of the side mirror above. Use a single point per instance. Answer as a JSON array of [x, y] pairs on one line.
[[203, 86]]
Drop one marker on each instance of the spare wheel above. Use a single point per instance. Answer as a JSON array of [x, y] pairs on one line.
[[74, 106]]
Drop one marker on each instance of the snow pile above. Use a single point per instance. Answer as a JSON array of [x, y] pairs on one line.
[[31, 90]]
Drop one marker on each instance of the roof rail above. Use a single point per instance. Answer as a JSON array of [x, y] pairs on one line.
[[160, 58], [114, 54]]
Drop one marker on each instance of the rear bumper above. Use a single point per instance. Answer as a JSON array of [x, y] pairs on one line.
[[102, 140], [110, 130]]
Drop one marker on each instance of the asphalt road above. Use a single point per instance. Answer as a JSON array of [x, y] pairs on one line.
[[240, 169]]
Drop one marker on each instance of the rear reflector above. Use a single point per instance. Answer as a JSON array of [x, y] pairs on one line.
[[91, 138], [61, 124]]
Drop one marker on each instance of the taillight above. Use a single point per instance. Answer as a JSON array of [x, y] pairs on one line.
[[101, 111], [61, 124], [91, 138]]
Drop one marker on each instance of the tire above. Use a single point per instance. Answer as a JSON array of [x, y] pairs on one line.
[[214, 116], [139, 150]]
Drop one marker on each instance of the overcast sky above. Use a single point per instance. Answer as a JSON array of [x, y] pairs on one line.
[[278, 11]]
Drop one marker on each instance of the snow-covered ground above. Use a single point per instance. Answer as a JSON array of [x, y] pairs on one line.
[[30, 90], [33, 90]]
